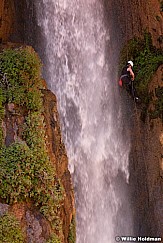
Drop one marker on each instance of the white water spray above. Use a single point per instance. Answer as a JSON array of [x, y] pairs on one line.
[[78, 70]]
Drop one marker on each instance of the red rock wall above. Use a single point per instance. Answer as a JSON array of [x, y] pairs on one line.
[[146, 164]]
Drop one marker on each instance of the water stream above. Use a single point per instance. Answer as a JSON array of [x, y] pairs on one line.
[[78, 58]]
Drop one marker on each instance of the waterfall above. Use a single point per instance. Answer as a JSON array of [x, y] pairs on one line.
[[78, 56]]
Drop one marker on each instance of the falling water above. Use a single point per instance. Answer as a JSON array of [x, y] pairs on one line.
[[78, 67]]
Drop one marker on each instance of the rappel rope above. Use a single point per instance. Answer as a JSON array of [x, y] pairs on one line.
[[126, 30]]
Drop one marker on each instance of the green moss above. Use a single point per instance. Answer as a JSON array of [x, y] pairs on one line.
[[72, 231], [147, 59], [10, 230], [54, 239]]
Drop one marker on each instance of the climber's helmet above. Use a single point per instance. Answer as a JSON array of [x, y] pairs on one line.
[[131, 63]]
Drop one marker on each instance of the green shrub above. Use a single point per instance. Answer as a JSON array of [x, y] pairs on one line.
[[16, 172], [72, 231], [10, 231], [21, 69], [147, 59]]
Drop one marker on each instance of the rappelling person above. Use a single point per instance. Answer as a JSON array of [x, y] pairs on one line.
[[127, 80]]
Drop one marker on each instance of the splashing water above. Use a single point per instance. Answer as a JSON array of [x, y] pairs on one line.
[[78, 70]]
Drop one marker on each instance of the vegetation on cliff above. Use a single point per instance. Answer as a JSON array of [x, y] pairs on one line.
[[147, 58], [27, 172], [72, 231], [10, 230]]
